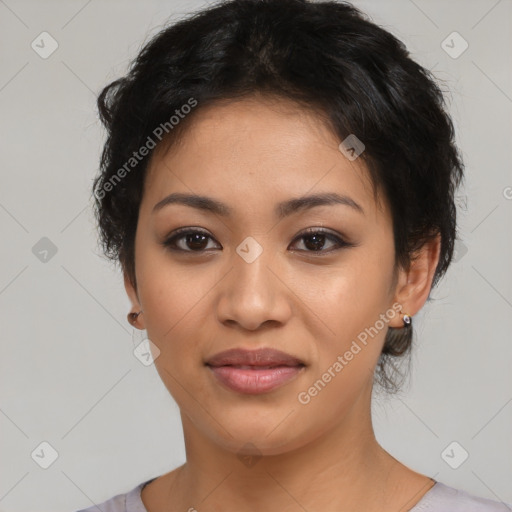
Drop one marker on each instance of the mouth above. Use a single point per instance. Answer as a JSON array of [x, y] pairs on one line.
[[254, 371]]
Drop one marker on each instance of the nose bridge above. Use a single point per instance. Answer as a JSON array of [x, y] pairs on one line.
[[251, 273], [251, 295]]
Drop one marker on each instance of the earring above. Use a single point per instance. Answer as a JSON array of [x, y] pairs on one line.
[[407, 319], [132, 317]]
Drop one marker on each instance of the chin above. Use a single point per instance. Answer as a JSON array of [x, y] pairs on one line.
[[260, 444], [245, 433]]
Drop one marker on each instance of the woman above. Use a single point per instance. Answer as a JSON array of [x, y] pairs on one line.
[[278, 185]]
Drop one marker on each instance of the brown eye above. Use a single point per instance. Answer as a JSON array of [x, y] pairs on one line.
[[315, 240], [188, 240]]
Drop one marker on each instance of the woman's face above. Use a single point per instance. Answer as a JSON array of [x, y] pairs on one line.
[[257, 280]]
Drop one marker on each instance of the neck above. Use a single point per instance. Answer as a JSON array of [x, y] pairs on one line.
[[342, 468]]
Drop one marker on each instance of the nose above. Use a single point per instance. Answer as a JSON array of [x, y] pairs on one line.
[[254, 293]]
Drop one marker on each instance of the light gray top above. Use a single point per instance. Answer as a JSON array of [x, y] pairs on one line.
[[439, 498]]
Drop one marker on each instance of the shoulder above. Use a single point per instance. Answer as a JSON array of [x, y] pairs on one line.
[[127, 502], [443, 498]]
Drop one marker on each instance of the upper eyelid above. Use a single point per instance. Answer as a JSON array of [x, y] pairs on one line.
[[311, 230]]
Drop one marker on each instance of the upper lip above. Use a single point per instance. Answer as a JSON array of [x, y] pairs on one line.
[[258, 357]]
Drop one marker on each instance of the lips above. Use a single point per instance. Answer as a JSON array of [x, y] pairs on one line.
[[264, 357], [254, 371]]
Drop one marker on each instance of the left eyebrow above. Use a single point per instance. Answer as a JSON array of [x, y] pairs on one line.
[[282, 209], [286, 208]]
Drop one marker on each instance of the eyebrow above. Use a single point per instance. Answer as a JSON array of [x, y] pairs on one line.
[[282, 209]]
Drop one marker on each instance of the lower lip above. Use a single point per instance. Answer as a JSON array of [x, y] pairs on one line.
[[255, 381]]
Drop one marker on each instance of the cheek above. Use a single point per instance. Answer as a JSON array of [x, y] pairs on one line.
[[351, 303], [352, 295], [177, 305]]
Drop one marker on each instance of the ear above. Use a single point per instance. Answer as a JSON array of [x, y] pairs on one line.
[[134, 299], [413, 285]]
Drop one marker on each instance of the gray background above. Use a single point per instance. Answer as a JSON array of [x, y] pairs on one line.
[[68, 374]]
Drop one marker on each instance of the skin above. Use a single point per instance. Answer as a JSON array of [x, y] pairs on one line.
[[252, 154]]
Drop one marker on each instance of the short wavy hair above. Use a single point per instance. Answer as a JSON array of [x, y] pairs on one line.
[[327, 57]]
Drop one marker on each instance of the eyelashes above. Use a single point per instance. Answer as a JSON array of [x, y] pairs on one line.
[[196, 241]]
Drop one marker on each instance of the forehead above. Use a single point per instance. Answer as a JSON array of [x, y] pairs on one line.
[[256, 150]]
